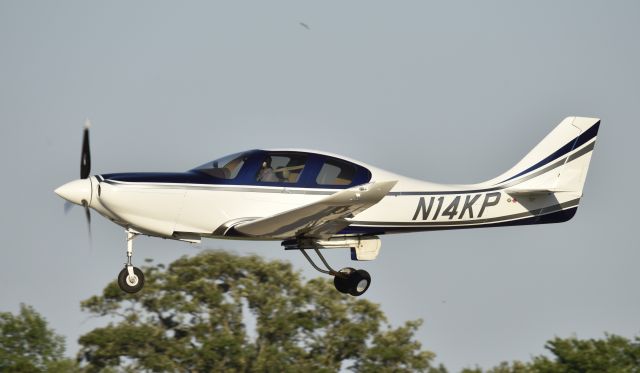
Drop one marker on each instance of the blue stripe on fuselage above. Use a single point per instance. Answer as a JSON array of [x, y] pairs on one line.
[[195, 178], [555, 217], [163, 177]]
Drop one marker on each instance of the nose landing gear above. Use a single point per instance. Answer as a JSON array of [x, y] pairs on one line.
[[130, 279]]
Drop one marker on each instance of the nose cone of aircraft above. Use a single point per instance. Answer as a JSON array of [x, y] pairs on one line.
[[76, 191]]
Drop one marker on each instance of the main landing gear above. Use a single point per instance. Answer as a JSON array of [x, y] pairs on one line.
[[347, 280], [130, 279]]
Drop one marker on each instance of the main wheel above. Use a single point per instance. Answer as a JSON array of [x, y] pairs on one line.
[[359, 282], [131, 284], [342, 284]]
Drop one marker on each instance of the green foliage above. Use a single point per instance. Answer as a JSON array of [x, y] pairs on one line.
[[504, 367], [192, 316], [395, 351], [611, 354], [28, 345]]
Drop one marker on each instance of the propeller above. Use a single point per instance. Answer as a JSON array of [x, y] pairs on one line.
[[67, 207], [85, 160], [87, 214], [79, 192], [85, 169]]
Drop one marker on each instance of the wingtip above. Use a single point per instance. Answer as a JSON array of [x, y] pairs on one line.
[[383, 186]]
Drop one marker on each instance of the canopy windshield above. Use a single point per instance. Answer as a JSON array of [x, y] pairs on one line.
[[225, 167]]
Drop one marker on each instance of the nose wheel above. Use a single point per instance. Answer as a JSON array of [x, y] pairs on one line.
[[131, 283], [130, 279], [347, 280]]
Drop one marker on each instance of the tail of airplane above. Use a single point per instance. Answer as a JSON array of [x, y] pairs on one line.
[[559, 163]]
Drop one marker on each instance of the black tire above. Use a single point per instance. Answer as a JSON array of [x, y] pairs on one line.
[[359, 282], [342, 284], [128, 287]]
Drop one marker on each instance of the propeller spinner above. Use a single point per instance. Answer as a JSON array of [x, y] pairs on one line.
[[79, 191]]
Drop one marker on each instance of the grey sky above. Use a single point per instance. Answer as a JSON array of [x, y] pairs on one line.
[[443, 91]]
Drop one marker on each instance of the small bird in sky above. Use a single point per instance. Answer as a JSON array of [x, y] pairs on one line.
[[305, 25]]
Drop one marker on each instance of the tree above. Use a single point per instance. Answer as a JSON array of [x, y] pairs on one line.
[[505, 367], [197, 314], [611, 354], [28, 345]]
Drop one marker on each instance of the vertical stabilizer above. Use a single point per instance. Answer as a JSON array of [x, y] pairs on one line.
[[559, 163]]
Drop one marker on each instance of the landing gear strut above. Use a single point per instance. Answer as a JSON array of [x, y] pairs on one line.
[[347, 280], [130, 279]]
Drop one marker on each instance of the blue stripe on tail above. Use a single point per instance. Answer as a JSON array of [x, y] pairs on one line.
[[573, 144]]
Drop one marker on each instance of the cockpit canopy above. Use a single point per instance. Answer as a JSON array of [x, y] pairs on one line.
[[285, 168], [226, 167]]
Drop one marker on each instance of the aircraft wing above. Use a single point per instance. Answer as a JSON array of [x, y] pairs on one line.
[[321, 219]]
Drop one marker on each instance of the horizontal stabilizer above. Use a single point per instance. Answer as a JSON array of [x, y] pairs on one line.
[[522, 191]]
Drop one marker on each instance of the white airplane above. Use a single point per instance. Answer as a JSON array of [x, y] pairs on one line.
[[313, 200]]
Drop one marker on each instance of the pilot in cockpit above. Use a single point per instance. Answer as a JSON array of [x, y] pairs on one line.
[[266, 172]]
